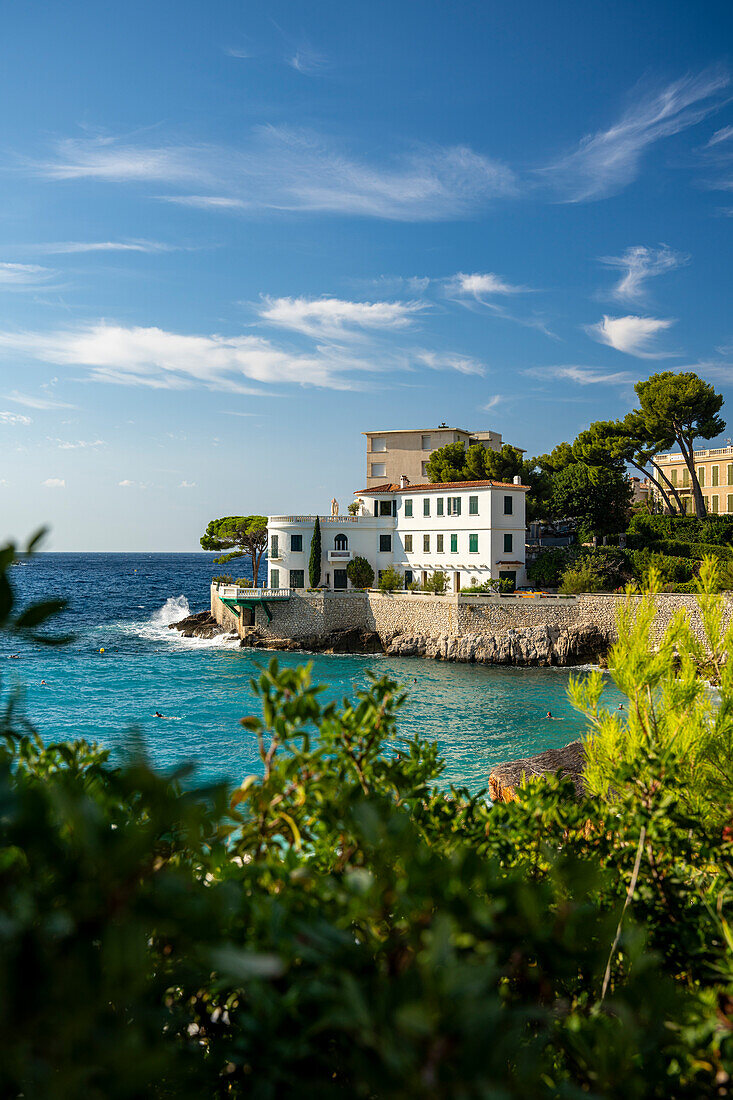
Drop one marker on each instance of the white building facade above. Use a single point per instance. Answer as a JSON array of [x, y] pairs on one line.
[[473, 531]]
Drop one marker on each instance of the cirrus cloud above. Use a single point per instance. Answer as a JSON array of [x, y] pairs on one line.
[[631, 335], [336, 318]]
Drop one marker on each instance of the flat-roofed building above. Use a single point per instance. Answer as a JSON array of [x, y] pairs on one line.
[[714, 468], [390, 454]]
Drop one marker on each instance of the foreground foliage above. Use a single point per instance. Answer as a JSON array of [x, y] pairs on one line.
[[337, 925]]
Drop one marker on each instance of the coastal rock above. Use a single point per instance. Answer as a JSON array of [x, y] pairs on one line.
[[201, 625], [352, 640], [505, 779], [527, 645]]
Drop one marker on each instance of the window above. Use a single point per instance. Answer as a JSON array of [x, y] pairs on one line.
[[473, 544], [473, 506], [425, 443], [426, 544], [408, 508], [297, 578], [424, 468], [296, 545], [274, 578], [385, 543], [508, 506], [454, 544], [716, 474], [408, 577], [686, 478], [714, 503], [438, 544], [385, 507], [379, 469], [730, 474], [379, 444], [439, 509], [730, 502], [274, 547], [341, 542], [408, 544], [454, 506], [701, 475], [673, 475], [426, 506], [508, 544]]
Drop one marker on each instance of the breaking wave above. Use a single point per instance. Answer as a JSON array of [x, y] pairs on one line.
[[175, 608]]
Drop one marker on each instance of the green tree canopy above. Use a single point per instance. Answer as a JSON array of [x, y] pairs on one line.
[[597, 500], [455, 462], [360, 572], [238, 537], [677, 409]]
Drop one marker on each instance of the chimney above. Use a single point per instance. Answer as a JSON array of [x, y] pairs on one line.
[[404, 481], [517, 479]]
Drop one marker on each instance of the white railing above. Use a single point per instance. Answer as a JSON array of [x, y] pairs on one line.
[[324, 519], [236, 592], [712, 452]]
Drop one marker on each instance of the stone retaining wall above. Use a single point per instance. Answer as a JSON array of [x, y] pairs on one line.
[[407, 613]]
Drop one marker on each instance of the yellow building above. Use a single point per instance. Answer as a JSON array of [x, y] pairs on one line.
[[714, 469], [390, 454]]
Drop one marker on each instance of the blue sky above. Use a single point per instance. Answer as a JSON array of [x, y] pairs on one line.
[[234, 236]]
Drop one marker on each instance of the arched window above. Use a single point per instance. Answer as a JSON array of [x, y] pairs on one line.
[[341, 542]]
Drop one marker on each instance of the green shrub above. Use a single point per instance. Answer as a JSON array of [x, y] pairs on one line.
[[437, 582], [224, 578], [582, 576], [243, 582], [390, 580], [548, 567], [360, 573]]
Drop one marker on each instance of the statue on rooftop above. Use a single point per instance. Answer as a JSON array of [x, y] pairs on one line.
[[334, 507]]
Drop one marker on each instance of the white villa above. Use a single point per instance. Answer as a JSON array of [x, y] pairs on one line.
[[472, 530]]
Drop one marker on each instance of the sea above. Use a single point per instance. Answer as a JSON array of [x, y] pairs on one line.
[[124, 664]]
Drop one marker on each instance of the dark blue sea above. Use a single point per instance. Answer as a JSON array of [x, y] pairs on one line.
[[124, 603]]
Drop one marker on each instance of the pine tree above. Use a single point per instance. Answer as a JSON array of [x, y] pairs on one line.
[[314, 563]]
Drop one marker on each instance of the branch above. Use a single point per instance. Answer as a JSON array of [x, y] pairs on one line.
[[629, 894]]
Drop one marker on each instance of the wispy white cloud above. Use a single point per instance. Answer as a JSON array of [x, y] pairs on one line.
[[492, 403], [126, 484], [434, 360], [23, 276], [307, 61], [295, 170], [335, 318], [632, 335], [55, 248], [583, 376], [242, 53], [720, 135], [169, 360], [31, 401], [54, 483], [639, 264], [480, 286], [187, 485], [14, 418], [606, 161], [77, 444]]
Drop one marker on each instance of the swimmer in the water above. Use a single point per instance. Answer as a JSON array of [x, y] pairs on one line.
[[414, 679], [554, 719], [620, 706], [158, 714], [43, 683], [14, 656]]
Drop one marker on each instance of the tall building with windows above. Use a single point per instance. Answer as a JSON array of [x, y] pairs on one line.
[[714, 468], [390, 454], [472, 530]]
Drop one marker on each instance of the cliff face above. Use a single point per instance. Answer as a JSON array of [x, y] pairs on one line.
[[529, 645]]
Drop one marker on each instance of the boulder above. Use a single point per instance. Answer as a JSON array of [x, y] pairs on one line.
[[526, 645], [201, 625], [505, 779]]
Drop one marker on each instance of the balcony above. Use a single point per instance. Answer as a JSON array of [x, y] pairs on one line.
[[340, 555]]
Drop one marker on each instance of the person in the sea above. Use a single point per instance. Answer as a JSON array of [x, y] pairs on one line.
[[552, 716]]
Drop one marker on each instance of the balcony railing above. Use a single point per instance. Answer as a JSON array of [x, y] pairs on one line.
[[340, 555]]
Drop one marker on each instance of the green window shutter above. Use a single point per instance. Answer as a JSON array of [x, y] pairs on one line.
[[508, 547], [426, 506], [730, 474], [408, 509], [473, 506], [701, 475], [426, 544], [730, 503], [473, 544], [673, 475], [715, 502], [408, 544], [440, 501], [274, 578], [454, 544], [715, 475], [439, 544], [508, 506]]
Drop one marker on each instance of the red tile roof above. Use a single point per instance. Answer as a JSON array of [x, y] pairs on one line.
[[390, 487]]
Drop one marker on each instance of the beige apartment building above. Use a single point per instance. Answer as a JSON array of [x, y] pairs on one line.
[[391, 454], [714, 469]]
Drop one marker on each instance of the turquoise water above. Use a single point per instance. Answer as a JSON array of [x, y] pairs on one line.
[[478, 715]]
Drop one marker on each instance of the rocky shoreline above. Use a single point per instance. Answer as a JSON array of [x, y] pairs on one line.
[[528, 646], [506, 779]]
